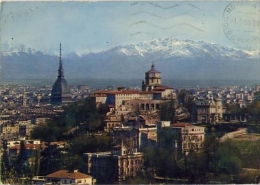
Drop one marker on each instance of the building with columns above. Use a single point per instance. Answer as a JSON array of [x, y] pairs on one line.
[[152, 90]]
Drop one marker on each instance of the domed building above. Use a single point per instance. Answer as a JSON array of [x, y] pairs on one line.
[[152, 78], [60, 93]]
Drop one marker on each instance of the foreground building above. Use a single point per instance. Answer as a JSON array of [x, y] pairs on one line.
[[188, 137], [115, 166], [69, 177]]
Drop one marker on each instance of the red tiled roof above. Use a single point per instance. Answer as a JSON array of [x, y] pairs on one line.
[[65, 174], [125, 92], [181, 125]]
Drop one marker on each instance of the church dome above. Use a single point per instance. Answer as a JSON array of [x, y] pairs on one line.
[[153, 73], [153, 70], [60, 87]]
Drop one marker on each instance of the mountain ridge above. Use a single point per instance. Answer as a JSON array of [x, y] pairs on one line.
[[174, 58]]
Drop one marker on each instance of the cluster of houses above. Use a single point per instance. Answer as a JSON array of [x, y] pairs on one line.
[[124, 160], [125, 156], [133, 121]]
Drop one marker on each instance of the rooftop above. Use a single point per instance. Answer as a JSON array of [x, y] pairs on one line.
[[65, 174], [181, 125]]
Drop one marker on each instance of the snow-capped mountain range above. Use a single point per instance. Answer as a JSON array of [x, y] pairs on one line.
[[182, 48], [174, 58], [8, 49]]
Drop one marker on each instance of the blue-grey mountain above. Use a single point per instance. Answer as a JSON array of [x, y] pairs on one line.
[[176, 59]]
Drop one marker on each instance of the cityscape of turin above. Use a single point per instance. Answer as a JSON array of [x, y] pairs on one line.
[[130, 92]]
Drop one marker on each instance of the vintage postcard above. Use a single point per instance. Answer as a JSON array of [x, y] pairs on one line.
[[95, 92]]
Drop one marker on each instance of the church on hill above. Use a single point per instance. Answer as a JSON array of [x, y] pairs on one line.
[[60, 93], [152, 79]]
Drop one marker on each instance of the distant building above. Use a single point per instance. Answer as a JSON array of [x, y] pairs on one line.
[[60, 93], [111, 122], [207, 111], [152, 78], [152, 92]]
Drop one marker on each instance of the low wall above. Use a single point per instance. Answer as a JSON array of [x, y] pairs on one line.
[[233, 134]]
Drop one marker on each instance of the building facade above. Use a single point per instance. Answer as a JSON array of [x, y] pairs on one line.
[[207, 111], [152, 90], [115, 166], [189, 137]]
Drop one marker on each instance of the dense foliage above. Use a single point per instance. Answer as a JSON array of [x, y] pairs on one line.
[[79, 126], [79, 118], [167, 112], [215, 162]]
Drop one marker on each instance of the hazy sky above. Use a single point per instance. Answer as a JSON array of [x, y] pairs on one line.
[[96, 26]]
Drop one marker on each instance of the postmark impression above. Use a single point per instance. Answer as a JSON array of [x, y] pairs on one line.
[[241, 22]]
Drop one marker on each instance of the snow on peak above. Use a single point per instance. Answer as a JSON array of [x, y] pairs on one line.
[[183, 48], [8, 49]]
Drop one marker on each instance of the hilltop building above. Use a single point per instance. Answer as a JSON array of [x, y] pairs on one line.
[[152, 95], [152, 79], [60, 93]]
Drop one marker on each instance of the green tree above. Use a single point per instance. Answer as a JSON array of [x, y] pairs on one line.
[[5, 164], [229, 158], [90, 143], [255, 155], [51, 160], [161, 159], [83, 115], [185, 99], [22, 164], [167, 112]]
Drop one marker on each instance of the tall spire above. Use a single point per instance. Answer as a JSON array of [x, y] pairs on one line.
[[60, 70]]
